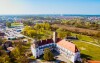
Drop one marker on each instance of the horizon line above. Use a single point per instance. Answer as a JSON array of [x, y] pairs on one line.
[[49, 14]]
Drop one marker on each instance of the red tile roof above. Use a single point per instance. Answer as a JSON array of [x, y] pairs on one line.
[[63, 43], [44, 42], [68, 45]]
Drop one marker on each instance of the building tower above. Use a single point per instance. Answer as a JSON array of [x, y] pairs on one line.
[[54, 37], [35, 43], [34, 48]]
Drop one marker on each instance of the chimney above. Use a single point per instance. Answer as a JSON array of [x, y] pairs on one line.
[[54, 36]]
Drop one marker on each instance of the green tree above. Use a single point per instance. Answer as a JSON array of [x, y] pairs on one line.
[[1, 41], [48, 55], [18, 54], [8, 24], [62, 33], [27, 23], [39, 31]]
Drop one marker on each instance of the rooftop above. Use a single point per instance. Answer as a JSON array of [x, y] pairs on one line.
[[63, 43], [68, 45], [47, 41]]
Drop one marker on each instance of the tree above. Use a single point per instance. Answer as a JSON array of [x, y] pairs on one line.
[[28, 23], [1, 40], [84, 60], [45, 26], [22, 59], [5, 59], [68, 33], [8, 24], [48, 55], [98, 34], [18, 54], [31, 33], [26, 29], [61, 33]]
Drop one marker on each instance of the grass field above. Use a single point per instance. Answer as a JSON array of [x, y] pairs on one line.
[[88, 51], [83, 37], [16, 24], [87, 38]]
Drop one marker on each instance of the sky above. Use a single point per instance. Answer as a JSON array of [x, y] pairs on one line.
[[49, 7]]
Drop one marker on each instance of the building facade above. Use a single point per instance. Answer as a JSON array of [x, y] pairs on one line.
[[67, 49]]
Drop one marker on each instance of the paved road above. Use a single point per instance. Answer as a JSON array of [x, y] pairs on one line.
[[29, 38]]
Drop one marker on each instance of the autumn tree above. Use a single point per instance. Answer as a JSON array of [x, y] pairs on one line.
[[48, 55], [5, 59], [18, 54], [39, 31], [98, 34], [63, 33]]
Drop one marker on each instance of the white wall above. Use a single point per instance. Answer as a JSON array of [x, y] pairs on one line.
[[33, 51], [67, 53], [41, 51]]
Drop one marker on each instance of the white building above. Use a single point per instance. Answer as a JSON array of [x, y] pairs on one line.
[[67, 49]]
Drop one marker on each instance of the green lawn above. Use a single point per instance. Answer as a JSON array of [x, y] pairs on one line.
[[16, 24], [83, 37], [88, 51], [86, 38]]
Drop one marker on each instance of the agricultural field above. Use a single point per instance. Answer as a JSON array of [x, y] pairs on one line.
[[88, 51]]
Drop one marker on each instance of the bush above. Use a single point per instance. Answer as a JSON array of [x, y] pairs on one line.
[[33, 58], [98, 34], [48, 55]]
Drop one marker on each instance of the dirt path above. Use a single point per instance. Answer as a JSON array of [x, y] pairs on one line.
[[90, 43]]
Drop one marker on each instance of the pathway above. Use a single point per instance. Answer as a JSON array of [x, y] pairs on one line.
[[90, 43]]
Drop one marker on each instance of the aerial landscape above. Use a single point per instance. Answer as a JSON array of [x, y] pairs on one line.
[[49, 31]]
